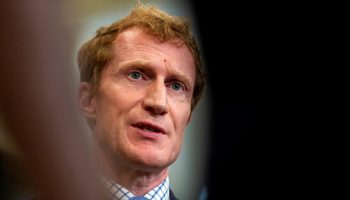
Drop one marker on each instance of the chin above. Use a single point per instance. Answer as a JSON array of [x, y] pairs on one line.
[[151, 163]]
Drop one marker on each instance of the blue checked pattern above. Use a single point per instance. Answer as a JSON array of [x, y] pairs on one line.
[[118, 192]]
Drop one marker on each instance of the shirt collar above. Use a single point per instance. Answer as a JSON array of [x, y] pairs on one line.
[[118, 192]]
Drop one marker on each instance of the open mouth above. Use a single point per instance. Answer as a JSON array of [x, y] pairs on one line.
[[148, 127]]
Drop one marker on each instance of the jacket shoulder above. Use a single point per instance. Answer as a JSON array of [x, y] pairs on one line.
[[171, 195]]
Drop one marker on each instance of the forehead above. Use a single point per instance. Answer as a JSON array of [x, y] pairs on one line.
[[134, 44], [135, 41]]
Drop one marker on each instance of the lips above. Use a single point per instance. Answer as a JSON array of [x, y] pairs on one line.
[[149, 127]]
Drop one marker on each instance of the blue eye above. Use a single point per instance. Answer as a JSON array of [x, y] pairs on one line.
[[176, 86], [135, 75]]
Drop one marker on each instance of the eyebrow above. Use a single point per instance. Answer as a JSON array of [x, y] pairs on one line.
[[138, 64], [131, 63], [183, 78]]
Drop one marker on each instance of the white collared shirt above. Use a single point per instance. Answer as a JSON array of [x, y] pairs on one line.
[[118, 192]]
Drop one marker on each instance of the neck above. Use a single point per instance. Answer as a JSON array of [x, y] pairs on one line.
[[137, 180]]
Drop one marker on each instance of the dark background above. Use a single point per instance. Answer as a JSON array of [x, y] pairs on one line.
[[270, 75], [247, 50]]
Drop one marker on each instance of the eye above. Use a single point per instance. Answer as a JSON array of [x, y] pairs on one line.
[[176, 86], [135, 75]]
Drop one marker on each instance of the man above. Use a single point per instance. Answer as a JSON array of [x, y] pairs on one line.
[[141, 78]]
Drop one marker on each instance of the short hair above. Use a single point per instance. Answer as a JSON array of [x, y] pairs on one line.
[[96, 53]]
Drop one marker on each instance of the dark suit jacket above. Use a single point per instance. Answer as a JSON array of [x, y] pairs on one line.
[[172, 196]]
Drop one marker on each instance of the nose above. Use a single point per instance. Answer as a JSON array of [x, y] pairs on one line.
[[155, 100]]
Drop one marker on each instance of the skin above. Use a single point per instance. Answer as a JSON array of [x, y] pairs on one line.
[[147, 85]]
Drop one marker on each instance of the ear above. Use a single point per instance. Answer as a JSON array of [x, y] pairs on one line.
[[87, 101]]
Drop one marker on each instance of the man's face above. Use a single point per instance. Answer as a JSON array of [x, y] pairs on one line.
[[143, 103]]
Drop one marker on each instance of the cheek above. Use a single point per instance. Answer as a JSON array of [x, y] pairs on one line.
[[181, 120], [113, 107], [108, 123], [115, 102], [107, 113]]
